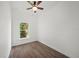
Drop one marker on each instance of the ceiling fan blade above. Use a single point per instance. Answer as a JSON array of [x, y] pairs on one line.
[[29, 8], [39, 2], [30, 3], [40, 8], [34, 3]]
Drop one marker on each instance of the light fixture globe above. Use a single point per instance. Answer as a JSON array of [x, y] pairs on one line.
[[34, 9]]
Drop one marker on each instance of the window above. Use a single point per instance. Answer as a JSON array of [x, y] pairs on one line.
[[23, 30]]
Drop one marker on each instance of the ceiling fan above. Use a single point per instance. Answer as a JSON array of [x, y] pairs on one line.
[[34, 5]]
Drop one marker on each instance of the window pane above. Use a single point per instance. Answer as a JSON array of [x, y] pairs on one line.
[[23, 30]]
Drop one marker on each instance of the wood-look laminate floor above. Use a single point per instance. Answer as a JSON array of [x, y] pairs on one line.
[[34, 50]]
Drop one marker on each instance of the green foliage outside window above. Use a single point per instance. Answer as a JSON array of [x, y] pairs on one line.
[[23, 30]]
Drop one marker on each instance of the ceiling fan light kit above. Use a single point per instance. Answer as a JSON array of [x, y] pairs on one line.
[[34, 6], [34, 9]]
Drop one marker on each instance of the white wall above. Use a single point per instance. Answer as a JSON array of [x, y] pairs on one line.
[[5, 29], [59, 27], [20, 14]]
